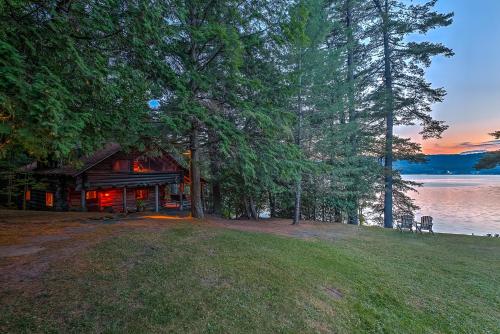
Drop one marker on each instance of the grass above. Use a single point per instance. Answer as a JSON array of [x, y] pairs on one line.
[[195, 279]]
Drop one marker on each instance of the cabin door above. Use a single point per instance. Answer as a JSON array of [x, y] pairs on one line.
[[92, 201]]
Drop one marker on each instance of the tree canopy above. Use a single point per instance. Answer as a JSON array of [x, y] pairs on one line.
[[285, 107]]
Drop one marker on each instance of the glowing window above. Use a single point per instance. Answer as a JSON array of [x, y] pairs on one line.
[[27, 195], [141, 166], [141, 194], [121, 165], [49, 199], [91, 194]]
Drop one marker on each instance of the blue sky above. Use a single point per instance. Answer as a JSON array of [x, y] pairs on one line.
[[471, 77], [154, 104]]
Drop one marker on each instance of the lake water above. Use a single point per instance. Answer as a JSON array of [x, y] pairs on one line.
[[460, 204]]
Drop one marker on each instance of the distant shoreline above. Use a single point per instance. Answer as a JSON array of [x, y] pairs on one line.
[[445, 164]]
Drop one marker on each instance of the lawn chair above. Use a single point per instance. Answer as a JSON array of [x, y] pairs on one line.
[[425, 224], [406, 222]]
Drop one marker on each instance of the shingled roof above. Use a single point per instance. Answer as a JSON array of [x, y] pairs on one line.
[[90, 161], [81, 166]]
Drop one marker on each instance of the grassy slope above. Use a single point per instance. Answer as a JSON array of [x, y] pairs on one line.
[[198, 279]]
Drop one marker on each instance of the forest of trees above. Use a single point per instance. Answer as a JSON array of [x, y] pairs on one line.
[[287, 107]]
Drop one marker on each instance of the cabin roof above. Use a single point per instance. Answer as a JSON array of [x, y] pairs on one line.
[[86, 162]]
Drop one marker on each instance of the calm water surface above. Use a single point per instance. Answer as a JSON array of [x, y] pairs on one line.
[[462, 204]]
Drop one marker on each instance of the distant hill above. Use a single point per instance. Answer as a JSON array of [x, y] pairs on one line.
[[446, 164]]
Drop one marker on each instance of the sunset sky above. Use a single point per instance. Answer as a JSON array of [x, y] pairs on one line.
[[471, 77]]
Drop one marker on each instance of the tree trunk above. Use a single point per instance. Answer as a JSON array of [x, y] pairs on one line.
[[353, 217], [216, 198], [350, 63], [272, 206], [389, 110], [247, 207], [253, 209], [298, 185], [196, 204], [314, 208], [296, 212], [337, 216], [10, 186], [215, 167], [25, 190]]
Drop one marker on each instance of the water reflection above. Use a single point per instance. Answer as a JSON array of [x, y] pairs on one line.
[[462, 204]]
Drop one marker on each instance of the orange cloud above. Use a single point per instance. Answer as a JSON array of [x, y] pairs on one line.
[[447, 147]]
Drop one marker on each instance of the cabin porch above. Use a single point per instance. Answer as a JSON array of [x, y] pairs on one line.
[[168, 197]]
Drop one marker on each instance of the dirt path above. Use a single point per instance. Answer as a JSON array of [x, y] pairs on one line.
[[305, 230], [30, 242]]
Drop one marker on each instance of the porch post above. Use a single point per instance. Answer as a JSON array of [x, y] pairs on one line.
[[83, 200], [157, 204], [124, 195]]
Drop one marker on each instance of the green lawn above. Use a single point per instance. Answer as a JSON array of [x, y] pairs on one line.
[[194, 279]]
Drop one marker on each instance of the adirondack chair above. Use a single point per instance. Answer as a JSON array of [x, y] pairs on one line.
[[425, 224], [406, 222]]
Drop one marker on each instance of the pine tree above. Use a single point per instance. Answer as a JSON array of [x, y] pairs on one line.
[[305, 32], [69, 78], [491, 159], [354, 171], [405, 96], [193, 40], [209, 90]]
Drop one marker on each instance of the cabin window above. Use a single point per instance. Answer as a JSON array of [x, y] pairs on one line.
[[49, 199], [141, 166], [91, 194], [141, 194], [27, 195], [121, 165]]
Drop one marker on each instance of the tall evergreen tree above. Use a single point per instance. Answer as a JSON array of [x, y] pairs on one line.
[[405, 96], [68, 77], [352, 166], [194, 40], [209, 90], [305, 32]]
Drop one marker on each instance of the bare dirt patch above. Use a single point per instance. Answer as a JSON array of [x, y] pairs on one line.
[[22, 226], [48, 238], [334, 293], [304, 230], [17, 250], [31, 242]]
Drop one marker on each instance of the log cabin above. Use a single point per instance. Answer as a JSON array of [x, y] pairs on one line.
[[111, 180]]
